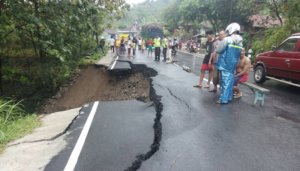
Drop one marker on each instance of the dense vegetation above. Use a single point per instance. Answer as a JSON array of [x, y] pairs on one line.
[[289, 14], [192, 13], [186, 17], [148, 12], [42, 44]]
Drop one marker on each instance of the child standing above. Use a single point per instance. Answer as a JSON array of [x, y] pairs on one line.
[[150, 47]]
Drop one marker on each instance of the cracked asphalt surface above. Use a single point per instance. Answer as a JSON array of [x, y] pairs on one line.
[[183, 129], [197, 134]]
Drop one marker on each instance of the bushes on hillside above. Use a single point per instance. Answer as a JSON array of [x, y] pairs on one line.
[[271, 37]]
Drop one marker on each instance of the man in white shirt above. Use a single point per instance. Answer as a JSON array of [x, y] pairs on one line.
[[140, 43], [112, 44]]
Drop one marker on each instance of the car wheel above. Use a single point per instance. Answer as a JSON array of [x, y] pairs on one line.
[[259, 74]]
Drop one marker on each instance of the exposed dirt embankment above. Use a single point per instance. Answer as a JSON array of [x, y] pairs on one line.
[[96, 84]]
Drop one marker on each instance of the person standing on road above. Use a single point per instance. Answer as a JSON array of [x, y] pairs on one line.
[[102, 44], [150, 47], [157, 44], [117, 45], [205, 66], [174, 46], [214, 60], [170, 58], [165, 48], [229, 50], [134, 44], [112, 44], [122, 47], [140, 43], [143, 46], [180, 44], [242, 70], [129, 42]]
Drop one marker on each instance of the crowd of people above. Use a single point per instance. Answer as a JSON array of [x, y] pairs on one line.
[[121, 45], [225, 59], [225, 63]]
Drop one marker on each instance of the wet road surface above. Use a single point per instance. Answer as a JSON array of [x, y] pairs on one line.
[[284, 97], [197, 134]]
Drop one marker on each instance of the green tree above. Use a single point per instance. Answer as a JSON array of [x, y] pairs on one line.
[[219, 12], [60, 30], [274, 36], [144, 13], [172, 17]]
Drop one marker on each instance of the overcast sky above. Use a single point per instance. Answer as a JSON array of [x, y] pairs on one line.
[[134, 1]]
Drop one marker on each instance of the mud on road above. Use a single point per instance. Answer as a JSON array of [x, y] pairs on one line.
[[96, 84]]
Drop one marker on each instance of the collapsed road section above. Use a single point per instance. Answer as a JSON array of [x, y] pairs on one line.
[[121, 134], [157, 133]]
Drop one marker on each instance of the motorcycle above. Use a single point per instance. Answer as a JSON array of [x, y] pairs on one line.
[[173, 51]]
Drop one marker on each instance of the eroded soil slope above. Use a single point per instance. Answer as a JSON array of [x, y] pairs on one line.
[[96, 84]]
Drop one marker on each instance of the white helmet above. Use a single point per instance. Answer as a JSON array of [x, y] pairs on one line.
[[233, 27]]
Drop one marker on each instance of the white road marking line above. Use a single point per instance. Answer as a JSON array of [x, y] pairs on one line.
[[283, 81], [81, 140], [205, 79], [112, 67]]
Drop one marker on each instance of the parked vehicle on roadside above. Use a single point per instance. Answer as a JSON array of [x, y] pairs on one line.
[[283, 62]]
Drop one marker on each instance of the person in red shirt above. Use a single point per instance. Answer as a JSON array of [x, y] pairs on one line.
[[150, 47]]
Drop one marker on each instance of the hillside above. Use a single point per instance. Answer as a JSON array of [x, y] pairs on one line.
[[148, 12]]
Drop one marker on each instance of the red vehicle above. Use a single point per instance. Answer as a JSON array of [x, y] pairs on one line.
[[282, 62]]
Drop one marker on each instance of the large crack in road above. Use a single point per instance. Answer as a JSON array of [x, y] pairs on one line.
[[132, 86], [157, 126]]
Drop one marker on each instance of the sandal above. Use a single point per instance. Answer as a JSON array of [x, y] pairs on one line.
[[237, 96], [197, 86], [212, 91], [207, 86]]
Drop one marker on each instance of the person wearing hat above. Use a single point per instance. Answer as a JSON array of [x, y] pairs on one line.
[[229, 52]]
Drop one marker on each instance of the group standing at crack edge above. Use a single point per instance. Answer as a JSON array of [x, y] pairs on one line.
[[226, 63], [123, 44]]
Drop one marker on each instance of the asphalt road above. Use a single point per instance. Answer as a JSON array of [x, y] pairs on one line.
[[183, 129], [281, 94]]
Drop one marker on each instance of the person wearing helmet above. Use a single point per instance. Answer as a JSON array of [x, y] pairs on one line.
[[229, 52]]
